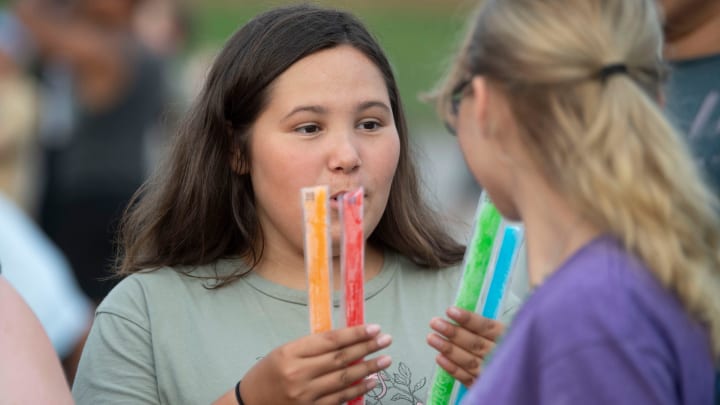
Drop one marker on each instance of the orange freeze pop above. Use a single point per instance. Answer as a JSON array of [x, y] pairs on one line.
[[317, 257]]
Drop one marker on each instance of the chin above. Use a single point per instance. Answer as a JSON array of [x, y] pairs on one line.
[[509, 214], [504, 203]]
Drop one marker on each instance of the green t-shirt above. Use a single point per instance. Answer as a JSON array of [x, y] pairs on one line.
[[161, 337]]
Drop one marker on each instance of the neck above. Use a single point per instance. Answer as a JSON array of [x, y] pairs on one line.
[[287, 268], [554, 230], [694, 39]]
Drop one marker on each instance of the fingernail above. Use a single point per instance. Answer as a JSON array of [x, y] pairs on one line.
[[384, 340], [370, 383], [384, 361], [443, 362], [437, 342], [454, 312], [438, 325], [372, 329]]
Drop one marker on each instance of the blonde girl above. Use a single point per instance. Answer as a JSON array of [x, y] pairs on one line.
[[558, 109]]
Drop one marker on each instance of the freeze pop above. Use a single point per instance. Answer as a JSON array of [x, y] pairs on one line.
[[475, 266], [500, 280], [317, 257], [511, 242], [352, 256]]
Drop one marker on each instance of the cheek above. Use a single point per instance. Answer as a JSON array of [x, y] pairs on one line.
[[476, 155], [282, 167], [389, 158], [490, 172], [382, 163], [278, 173]]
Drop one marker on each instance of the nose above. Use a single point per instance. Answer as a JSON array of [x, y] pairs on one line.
[[344, 155]]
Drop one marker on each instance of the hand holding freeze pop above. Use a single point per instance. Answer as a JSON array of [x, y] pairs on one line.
[[307, 370], [461, 350], [463, 346]]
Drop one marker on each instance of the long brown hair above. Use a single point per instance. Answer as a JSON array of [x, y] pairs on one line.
[[197, 209], [603, 141]]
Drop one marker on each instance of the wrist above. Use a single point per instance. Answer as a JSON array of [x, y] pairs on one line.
[[238, 397]]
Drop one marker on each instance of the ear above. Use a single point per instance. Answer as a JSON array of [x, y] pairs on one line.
[[479, 100]]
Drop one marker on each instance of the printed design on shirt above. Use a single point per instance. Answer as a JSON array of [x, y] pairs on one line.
[[398, 388]]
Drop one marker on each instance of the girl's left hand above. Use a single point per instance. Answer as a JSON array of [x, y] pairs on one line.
[[463, 345]]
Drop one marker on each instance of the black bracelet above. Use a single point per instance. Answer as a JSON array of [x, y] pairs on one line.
[[237, 394]]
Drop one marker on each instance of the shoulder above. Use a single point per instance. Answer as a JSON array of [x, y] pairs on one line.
[[604, 296], [594, 297], [167, 287], [594, 275]]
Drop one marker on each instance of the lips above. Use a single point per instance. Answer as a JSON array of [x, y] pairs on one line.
[[335, 197]]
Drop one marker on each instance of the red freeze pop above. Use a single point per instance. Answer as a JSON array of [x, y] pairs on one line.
[[352, 262]]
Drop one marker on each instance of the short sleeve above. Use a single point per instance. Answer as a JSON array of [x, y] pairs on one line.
[[117, 364]]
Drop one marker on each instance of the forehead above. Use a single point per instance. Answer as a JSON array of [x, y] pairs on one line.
[[339, 72]]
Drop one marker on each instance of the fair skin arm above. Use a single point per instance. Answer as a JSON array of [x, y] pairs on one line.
[[316, 369], [463, 343], [33, 374]]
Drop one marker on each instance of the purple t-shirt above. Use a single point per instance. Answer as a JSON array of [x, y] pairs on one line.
[[600, 330]]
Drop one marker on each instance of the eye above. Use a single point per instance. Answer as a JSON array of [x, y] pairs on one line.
[[308, 129], [369, 125]]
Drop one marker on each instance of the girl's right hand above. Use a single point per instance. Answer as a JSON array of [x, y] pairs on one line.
[[324, 368]]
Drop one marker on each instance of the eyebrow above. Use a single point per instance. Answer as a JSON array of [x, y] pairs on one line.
[[370, 104], [311, 108], [322, 110]]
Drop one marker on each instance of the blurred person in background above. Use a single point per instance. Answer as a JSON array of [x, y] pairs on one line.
[[164, 27], [113, 95], [18, 117], [692, 32], [35, 268]]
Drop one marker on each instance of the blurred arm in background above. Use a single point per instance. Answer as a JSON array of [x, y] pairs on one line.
[[31, 373]]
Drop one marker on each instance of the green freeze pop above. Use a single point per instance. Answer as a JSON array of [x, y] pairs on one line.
[[477, 259]]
